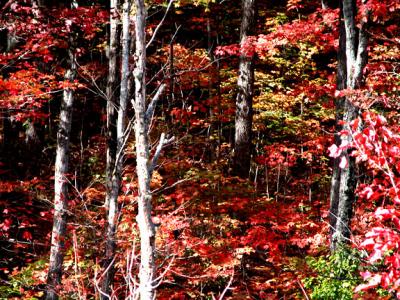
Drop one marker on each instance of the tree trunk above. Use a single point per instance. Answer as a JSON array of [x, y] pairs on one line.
[[115, 171], [146, 227], [144, 166], [324, 4], [341, 78], [60, 183], [111, 101], [10, 133], [112, 176], [244, 99], [352, 59]]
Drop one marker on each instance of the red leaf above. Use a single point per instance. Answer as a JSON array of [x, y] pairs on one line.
[[27, 235]]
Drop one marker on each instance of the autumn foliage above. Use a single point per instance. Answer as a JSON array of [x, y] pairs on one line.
[[217, 235]]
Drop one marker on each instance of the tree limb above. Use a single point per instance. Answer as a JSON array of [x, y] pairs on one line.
[[163, 141], [152, 105]]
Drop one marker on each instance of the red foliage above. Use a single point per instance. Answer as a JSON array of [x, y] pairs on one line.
[[377, 145]]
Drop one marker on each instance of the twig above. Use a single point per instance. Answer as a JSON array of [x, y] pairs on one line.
[[96, 282], [171, 186], [160, 146], [160, 24], [228, 287], [159, 278], [154, 100], [303, 290]]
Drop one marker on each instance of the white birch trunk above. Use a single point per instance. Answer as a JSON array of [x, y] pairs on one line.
[[144, 165], [60, 185], [147, 232]]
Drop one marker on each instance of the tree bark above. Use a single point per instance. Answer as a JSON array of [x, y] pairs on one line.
[[144, 165], [112, 187], [341, 78], [60, 183], [115, 156], [325, 4], [244, 99], [352, 60], [146, 227], [111, 101]]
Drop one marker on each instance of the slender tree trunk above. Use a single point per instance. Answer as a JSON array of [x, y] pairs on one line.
[[60, 183], [115, 172], [325, 4], [111, 102], [171, 60], [10, 134], [339, 105], [244, 99], [352, 61], [147, 232], [144, 166], [112, 187]]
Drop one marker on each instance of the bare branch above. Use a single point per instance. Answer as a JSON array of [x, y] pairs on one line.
[[160, 24], [303, 290], [160, 145], [152, 105], [162, 189], [96, 281], [228, 286]]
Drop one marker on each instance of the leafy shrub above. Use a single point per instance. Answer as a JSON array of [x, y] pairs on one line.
[[336, 275], [27, 283]]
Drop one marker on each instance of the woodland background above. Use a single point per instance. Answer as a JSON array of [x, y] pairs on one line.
[[257, 231]]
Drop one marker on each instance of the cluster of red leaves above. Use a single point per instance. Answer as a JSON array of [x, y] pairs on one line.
[[315, 92], [277, 155], [381, 9], [378, 147], [318, 29], [27, 84]]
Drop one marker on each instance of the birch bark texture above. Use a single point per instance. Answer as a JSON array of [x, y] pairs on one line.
[[145, 165], [116, 169], [244, 99], [352, 59], [60, 182], [147, 268]]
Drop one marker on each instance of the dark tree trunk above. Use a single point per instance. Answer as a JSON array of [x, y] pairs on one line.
[[244, 99], [352, 60], [9, 130], [111, 101], [60, 184]]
